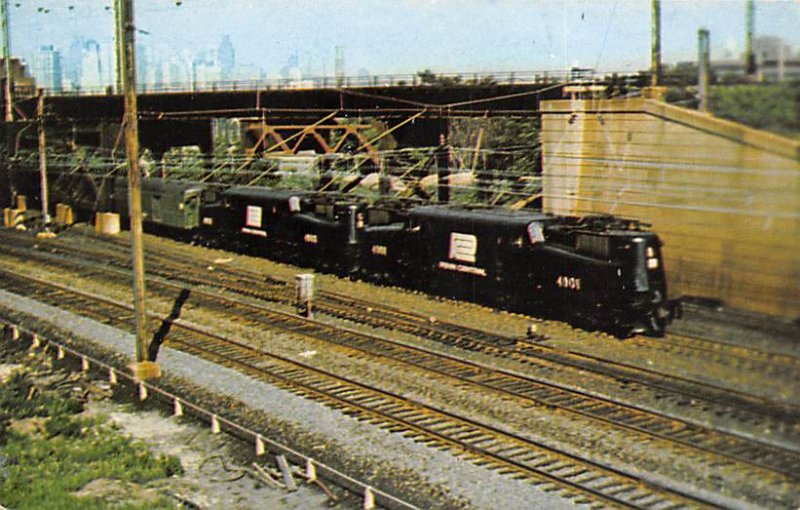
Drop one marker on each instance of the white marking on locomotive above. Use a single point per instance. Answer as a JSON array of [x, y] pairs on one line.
[[311, 238], [254, 231], [463, 247], [378, 249], [652, 260], [475, 271], [569, 282], [253, 218]]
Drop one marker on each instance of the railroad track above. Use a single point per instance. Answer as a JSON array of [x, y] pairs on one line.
[[723, 447], [576, 479], [734, 356], [680, 392]]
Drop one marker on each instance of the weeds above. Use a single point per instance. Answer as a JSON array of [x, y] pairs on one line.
[[43, 469]]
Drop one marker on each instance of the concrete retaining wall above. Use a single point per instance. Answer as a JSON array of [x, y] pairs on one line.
[[725, 198]]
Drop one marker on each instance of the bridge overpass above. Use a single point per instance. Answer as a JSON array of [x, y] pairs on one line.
[[415, 115]]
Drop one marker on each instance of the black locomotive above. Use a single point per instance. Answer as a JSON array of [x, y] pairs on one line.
[[595, 272]]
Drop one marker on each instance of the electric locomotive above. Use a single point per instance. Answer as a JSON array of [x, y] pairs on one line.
[[597, 272], [298, 227]]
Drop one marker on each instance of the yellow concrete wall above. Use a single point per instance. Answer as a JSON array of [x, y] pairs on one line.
[[724, 198]]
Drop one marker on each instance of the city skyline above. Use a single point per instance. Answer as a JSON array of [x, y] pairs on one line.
[[295, 49]]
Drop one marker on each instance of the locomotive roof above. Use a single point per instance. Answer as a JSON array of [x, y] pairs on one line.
[[263, 193], [154, 184], [487, 217]]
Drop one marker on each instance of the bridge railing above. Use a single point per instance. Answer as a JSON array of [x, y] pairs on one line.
[[332, 82]]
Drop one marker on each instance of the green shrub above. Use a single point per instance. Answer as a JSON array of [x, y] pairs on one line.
[[43, 472], [63, 425]]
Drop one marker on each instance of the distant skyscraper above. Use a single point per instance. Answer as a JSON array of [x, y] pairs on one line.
[[339, 65], [771, 48], [291, 71], [177, 72], [207, 72], [226, 57], [47, 70], [91, 77], [71, 63], [145, 68]]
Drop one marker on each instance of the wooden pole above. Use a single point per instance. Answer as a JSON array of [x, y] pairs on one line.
[[143, 369], [9, 84], [118, 45], [43, 158], [703, 66], [655, 51], [750, 28], [443, 170]]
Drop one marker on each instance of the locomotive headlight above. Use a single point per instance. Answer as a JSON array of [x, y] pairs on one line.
[[652, 263]]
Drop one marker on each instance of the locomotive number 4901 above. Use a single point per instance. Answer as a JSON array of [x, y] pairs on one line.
[[569, 282]]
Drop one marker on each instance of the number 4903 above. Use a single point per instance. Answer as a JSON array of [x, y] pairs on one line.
[[569, 282]]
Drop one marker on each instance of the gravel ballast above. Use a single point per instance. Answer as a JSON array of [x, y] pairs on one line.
[[449, 481]]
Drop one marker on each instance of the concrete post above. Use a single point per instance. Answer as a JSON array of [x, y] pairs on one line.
[[305, 294]]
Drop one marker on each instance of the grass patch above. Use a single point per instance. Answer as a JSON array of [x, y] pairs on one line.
[[42, 469]]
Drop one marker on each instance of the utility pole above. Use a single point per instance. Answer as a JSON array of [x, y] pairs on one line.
[[143, 368], [7, 61], [443, 170], [703, 65], [750, 28], [43, 158], [655, 50], [118, 35]]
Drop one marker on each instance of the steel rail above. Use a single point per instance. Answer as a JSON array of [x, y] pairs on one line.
[[507, 346], [480, 443], [533, 389]]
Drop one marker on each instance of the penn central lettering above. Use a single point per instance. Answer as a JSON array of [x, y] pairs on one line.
[[449, 266], [254, 232]]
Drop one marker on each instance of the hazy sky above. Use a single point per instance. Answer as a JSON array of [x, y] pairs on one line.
[[405, 36]]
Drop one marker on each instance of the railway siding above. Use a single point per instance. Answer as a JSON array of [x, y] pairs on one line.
[[577, 480]]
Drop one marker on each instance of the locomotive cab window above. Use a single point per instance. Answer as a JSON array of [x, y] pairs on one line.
[[377, 217], [210, 196]]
